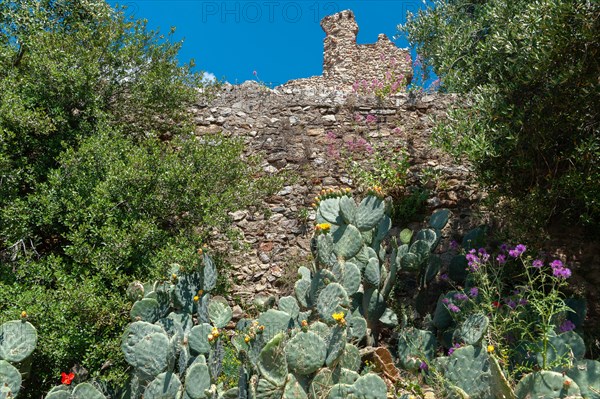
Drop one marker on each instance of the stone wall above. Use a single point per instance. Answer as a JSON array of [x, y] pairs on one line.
[[294, 127]]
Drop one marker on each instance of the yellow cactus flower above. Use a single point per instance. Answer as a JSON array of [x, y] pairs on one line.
[[304, 323], [339, 317], [261, 328], [23, 314], [210, 337], [490, 348], [324, 227], [246, 339], [196, 298], [215, 332], [174, 276]]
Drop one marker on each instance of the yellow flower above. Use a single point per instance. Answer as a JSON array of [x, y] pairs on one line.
[[196, 298], [246, 339], [261, 328], [339, 317], [324, 227], [215, 332], [23, 314], [304, 323], [199, 251], [174, 276], [490, 348]]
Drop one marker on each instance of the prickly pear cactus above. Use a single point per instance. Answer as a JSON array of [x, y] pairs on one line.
[[469, 369], [18, 339], [415, 346], [547, 385], [586, 374]]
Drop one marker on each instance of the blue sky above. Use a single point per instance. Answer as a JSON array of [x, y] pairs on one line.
[[279, 39]]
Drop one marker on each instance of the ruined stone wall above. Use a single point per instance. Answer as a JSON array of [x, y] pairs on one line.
[[289, 126], [346, 63]]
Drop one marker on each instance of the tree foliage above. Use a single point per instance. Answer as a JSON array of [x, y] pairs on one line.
[[528, 71], [101, 181]]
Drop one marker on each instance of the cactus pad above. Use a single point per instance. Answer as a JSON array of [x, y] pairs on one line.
[[472, 330], [348, 209], [293, 389], [439, 219], [336, 345], [10, 376], [219, 312], [347, 241], [146, 309], [547, 385], [351, 278], [415, 346], [332, 299], [369, 212], [17, 340], [197, 380], [198, 339], [164, 386], [372, 274], [87, 391], [275, 321], [290, 306], [586, 374], [305, 353], [272, 363], [468, 368]]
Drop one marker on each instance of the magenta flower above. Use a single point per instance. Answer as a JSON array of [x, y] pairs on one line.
[[453, 308], [501, 258], [556, 264], [517, 251], [454, 245], [423, 366], [444, 277], [561, 272], [461, 296], [473, 292], [454, 347], [445, 301], [371, 118], [537, 263]]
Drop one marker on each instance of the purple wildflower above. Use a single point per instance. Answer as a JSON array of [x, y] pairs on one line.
[[523, 301], [567, 325], [517, 251], [445, 301], [358, 117], [453, 308], [461, 296], [561, 272], [511, 304], [454, 245], [473, 292], [503, 248], [444, 277], [454, 347], [423, 366], [501, 258], [556, 264], [537, 263]]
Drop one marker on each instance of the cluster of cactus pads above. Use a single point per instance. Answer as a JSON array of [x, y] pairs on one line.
[[306, 346], [17, 341], [355, 270]]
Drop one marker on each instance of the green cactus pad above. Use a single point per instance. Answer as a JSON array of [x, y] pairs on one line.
[[567, 346], [500, 384], [272, 362], [304, 273], [10, 376], [357, 327], [325, 249], [547, 385], [275, 321], [219, 312], [372, 273], [329, 209], [185, 288], [348, 209], [17, 340], [369, 212], [197, 380], [150, 356], [389, 318], [351, 278], [146, 309], [406, 236], [332, 299], [441, 316], [305, 353], [266, 390], [336, 344], [370, 386], [367, 237], [293, 389], [429, 236], [301, 291], [421, 249], [410, 261], [134, 342], [289, 305], [164, 386], [347, 241], [474, 239], [586, 374], [374, 305], [176, 323], [415, 346], [209, 274], [321, 329], [383, 228], [431, 269], [439, 219], [468, 368], [350, 359], [472, 330], [87, 391], [198, 339]]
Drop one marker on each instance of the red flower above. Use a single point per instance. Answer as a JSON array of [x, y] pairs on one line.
[[496, 304], [66, 378]]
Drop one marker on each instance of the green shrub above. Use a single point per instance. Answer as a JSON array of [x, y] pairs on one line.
[[528, 71]]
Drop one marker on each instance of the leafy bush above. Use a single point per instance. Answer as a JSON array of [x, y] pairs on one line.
[[101, 180], [528, 71]]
